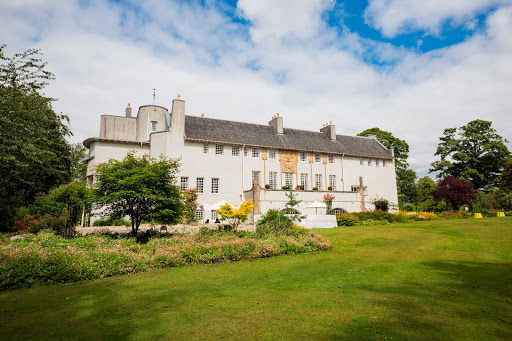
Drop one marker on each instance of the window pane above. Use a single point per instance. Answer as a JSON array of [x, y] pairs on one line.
[[235, 151], [184, 182], [317, 157], [153, 126], [272, 180], [331, 158], [215, 186], [205, 148], [288, 179], [304, 180], [272, 154], [332, 182], [255, 152], [318, 181], [303, 156], [200, 185], [219, 149]]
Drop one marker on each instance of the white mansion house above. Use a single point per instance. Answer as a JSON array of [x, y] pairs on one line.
[[232, 162]]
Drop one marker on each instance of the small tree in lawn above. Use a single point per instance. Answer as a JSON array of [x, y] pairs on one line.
[[76, 197], [141, 188], [457, 192], [238, 216], [290, 205], [190, 205]]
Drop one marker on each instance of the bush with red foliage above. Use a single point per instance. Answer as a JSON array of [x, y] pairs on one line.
[[457, 192]]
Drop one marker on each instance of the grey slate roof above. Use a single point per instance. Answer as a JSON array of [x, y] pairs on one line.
[[255, 135]]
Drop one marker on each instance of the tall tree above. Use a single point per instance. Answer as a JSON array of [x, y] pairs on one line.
[[405, 177], [34, 154], [506, 177], [78, 156], [141, 188], [425, 188], [473, 152]]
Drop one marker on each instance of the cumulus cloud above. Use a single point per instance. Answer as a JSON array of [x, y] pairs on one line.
[[394, 17], [286, 60]]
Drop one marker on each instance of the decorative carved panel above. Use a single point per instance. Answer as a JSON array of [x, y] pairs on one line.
[[288, 161], [263, 154], [324, 158]]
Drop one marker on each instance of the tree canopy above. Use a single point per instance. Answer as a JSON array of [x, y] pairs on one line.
[[34, 156], [506, 177], [405, 177], [236, 216], [473, 152], [457, 192], [140, 187]]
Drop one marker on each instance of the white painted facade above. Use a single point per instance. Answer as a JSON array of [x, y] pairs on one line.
[[208, 161]]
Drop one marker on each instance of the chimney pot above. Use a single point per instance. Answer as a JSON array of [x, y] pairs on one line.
[[128, 105], [277, 114], [202, 115], [128, 111], [330, 122], [178, 96]]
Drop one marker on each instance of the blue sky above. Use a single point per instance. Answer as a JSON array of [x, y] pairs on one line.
[[411, 67]]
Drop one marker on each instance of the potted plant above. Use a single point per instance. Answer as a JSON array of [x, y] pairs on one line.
[[329, 188], [315, 188], [301, 187], [284, 187], [267, 186], [297, 188]]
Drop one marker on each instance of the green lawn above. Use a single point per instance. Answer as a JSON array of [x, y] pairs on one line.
[[441, 280]]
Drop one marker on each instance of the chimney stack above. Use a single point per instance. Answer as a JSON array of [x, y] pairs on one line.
[[329, 130], [178, 96], [128, 111], [277, 123], [202, 115]]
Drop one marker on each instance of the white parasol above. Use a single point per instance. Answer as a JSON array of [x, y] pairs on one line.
[[317, 204]]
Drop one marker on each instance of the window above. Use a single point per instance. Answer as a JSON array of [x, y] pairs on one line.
[[332, 182], [303, 156], [318, 157], [255, 177], [272, 179], [304, 180], [377, 163], [215, 216], [219, 149], [318, 181], [338, 210], [246, 151], [215, 186], [331, 158], [361, 161], [200, 185], [255, 152], [235, 151], [272, 154], [199, 215], [288, 179], [355, 188], [153, 126], [184, 182], [369, 162], [384, 163], [205, 148]]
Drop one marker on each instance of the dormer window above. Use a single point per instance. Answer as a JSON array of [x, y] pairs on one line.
[[154, 125]]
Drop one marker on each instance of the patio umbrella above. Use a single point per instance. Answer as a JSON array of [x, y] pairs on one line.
[[217, 206], [317, 204]]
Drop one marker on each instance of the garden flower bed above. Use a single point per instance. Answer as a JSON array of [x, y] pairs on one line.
[[48, 258]]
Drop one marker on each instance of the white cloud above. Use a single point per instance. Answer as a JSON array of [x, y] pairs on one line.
[[394, 17], [105, 56]]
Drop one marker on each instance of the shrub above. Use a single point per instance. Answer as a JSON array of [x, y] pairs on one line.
[[455, 215], [267, 186], [401, 217], [315, 188], [109, 221], [381, 204], [274, 221], [424, 216], [284, 187], [48, 258], [329, 188], [407, 207], [347, 219], [3, 238]]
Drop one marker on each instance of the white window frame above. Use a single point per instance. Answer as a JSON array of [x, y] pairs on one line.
[[215, 185], [377, 163], [154, 126], [199, 214], [304, 180], [361, 162], [200, 185], [272, 180], [256, 175], [246, 151], [303, 156], [205, 148], [272, 154], [288, 180], [332, 181], [235, 151], [318, 158], [330, 158], [369, 162], [384, 163], [256, 152], [355, 188], [184, 183], [219, 149], [318, 181], [215, 216]]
